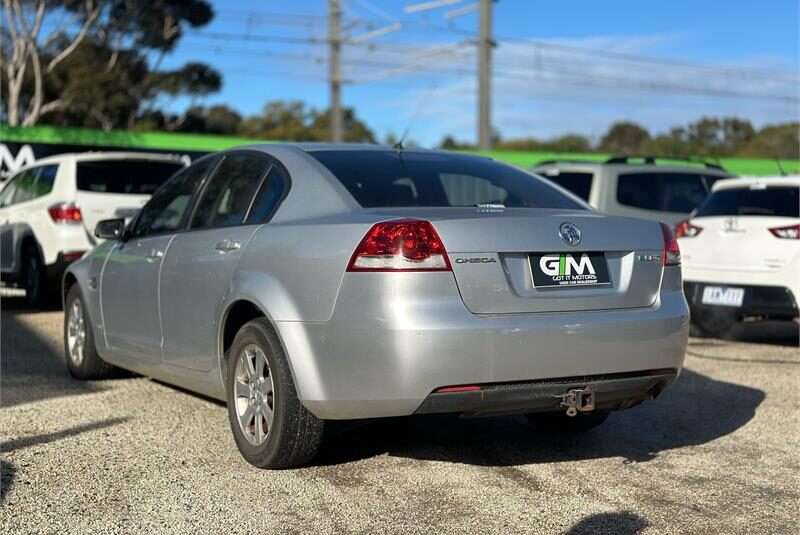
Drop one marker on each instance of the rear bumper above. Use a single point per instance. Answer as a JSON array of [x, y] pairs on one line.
[[385, 356], [611, 392], [771, 302]]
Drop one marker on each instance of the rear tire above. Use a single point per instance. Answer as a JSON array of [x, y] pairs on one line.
[[34, 280], [715, 322], [560, 422], [80, 353], [270, 425]]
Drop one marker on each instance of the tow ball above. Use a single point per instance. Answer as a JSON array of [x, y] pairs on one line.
[[578, 400]]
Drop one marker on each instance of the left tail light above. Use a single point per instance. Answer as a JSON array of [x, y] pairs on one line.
[[671, 255], [685, 229], [791, 232], [65, 213], [400, 245]]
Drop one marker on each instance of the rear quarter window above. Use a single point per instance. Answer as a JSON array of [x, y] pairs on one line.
[[772, 201], [663, 192], [135, 177], [576, 182]]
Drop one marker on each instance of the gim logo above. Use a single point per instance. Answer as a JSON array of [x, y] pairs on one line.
[[566, 265]]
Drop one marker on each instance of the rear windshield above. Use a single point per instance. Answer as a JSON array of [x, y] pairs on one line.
[[383, 179], [664, 192], [578, 183], [137, 177], [775, 201]]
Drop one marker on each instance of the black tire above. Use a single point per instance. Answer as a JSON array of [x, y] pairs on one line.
[[90, 366], [34, 279], [560, 422], [295, 435], [715, 322]]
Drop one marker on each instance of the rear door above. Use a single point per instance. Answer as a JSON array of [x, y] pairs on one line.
[[107, 189], [6, 226], [130, 278], [198, 269]]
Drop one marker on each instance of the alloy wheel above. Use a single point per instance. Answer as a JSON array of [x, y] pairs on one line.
[[76, 332], [254, 394]]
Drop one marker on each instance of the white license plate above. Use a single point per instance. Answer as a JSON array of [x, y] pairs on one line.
[[729, 297]]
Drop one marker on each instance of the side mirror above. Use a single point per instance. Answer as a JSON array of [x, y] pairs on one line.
[[110, 229]]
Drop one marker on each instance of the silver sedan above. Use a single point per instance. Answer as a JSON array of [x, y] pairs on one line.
[[305, 283]]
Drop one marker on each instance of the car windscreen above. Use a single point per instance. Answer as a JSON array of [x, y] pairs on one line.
[[136, 177], [775, 201], [384, 179]]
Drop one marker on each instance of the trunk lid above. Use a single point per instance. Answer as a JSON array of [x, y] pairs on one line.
[[739, 243], [490, 252]]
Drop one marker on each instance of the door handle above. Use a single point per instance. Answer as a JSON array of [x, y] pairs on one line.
[[154, 255], [226, 246]]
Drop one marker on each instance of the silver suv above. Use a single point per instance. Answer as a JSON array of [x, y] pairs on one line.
[[305, 283], [636, 186]]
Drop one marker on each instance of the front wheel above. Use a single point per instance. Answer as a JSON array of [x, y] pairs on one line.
[[83, 362], [272, 429]]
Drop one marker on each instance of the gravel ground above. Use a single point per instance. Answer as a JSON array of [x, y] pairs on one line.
[[717, 453]]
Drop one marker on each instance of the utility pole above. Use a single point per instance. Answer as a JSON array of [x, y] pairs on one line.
[[335, 69], [485, 45]]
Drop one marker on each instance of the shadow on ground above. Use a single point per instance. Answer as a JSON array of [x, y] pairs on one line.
[[779, 333], [32, 367], [695, 410], [8, 471], [623, 523]]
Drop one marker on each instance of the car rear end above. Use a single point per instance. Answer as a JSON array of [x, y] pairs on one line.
[[474, 294], [96, 186], [742, 250]]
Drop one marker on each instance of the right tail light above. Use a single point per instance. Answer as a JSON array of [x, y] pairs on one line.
[[671, 256], [791, 232]]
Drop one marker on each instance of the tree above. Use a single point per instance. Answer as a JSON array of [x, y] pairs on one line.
[[102, 67], [775, 141], [293, 121], [28, 55], [624, 137]]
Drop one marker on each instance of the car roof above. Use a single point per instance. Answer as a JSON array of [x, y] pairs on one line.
[[308, 147], [627, 168], [740, 182], [104, 155]]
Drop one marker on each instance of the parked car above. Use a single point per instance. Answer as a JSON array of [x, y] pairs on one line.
[[49, 209], [636, 187], [742, 253], [305, 283]]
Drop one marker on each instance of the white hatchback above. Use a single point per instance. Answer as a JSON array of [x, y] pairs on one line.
[[741, 253], [49, 209]]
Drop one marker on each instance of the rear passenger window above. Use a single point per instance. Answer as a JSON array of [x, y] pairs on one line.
[[269, 195], [578, 183], [24, 186], [230, 191], [663, 192], [45, 179]]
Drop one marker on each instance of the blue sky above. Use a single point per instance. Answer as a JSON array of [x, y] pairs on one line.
[[560, 66]]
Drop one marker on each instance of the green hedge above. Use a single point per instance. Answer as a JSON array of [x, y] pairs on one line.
[[206, 142]]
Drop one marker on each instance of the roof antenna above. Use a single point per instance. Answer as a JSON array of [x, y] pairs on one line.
[[417, 110]]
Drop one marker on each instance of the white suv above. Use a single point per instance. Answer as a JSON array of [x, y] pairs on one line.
[[741, 253], [49, 209], [642, 187]]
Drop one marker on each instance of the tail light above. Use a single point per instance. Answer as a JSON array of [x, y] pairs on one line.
[[65, 213], [792, 232], [672, 253], [685, 229], [400, 245]]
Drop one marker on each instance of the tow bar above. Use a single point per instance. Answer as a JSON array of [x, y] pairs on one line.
[[578, 400]]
